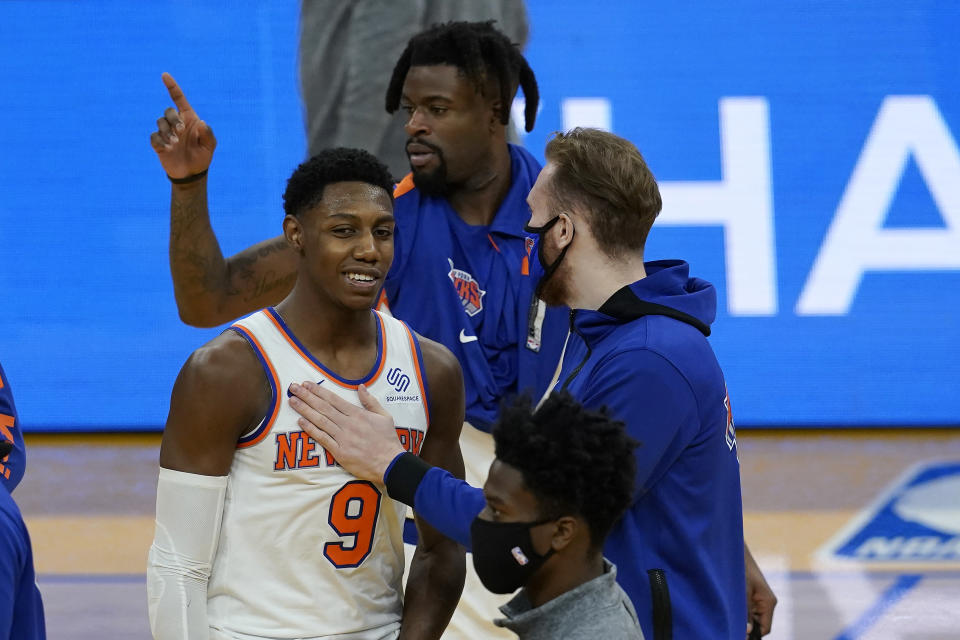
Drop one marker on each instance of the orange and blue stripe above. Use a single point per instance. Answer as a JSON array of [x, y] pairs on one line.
[[420, 371], [263, 429], [369, 379]]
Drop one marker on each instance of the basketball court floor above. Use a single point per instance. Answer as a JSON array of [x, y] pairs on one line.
[[857, 531]]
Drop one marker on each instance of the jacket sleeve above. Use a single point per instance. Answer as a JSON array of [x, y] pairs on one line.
[[13, 551], [645, 391], [448, 504]]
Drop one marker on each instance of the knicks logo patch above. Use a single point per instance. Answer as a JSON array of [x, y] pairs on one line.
[[731, 433], [471, 295]]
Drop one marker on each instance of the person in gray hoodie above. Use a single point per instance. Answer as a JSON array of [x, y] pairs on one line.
[[562, 476]]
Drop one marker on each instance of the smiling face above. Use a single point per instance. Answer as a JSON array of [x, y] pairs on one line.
[[452, 128], [345, 243]]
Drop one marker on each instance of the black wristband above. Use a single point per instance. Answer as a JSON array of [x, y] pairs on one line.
[[404, 477], [188, 179]]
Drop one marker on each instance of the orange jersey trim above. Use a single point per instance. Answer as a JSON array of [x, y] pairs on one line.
[[418, 366], [264, 429], [382, 303], [329, 375], [404, 186]]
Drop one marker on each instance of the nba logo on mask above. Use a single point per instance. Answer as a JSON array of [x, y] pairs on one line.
[[471, 295], [519, 556]]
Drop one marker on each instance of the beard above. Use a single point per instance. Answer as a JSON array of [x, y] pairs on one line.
[[432, 182], [555, 289]]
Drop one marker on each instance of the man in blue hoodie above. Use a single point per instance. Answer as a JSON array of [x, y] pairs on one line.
[[21, 609], [638, 346]]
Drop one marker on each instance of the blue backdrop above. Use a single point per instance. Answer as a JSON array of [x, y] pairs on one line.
[[807, 153]]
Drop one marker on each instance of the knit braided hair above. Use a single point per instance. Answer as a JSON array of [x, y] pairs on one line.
[[481, 52]]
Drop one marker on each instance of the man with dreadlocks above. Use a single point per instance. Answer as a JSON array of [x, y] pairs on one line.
[[462, 274]]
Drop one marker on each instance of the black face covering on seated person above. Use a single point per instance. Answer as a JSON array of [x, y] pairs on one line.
[[548, 269], [503, 553]]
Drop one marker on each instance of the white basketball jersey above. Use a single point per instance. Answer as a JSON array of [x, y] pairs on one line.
[[307, 550]]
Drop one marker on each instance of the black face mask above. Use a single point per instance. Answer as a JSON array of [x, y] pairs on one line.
[[548, 269], [503, 554]]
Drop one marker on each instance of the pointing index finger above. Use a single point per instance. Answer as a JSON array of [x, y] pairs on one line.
[[176, 93]]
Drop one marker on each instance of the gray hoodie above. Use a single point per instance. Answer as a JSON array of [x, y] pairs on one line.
[[596, 609]]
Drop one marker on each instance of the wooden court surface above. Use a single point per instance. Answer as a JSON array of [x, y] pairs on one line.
[[88, 501]]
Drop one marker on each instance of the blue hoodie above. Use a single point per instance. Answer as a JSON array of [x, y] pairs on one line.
[[644, 355], [21, 609], [11, 466]]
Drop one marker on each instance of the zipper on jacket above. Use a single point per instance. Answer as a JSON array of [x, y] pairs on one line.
[[573, 374], [660, 597]]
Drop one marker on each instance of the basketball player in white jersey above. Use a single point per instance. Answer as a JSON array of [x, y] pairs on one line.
[[260, 534]]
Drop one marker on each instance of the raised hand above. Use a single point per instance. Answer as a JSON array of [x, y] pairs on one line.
[[183, 142]]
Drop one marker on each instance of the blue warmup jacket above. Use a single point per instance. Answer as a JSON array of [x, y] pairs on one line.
[[644, 355], [471, 288], [12, 466], [21, 609]]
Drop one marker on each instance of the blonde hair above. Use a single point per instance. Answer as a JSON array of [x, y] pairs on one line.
[[606, 178]]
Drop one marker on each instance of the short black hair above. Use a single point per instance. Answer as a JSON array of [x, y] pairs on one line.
[[481, 52], [306, 184], [574, 461]]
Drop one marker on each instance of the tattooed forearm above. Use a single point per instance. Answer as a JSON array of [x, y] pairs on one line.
[[270, 284], [196, 261], [248, 279], [188, 209], [243, 263], [209, 289]]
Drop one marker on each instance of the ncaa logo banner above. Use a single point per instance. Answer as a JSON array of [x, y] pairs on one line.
[[917, 520]]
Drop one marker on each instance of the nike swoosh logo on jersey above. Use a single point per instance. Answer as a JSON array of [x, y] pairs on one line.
[[464, 338]]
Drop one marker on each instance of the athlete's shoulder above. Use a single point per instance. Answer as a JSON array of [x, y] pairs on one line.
[[439, 362], [445, 390], [224, 367], [228, 348], [221, 393]]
